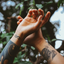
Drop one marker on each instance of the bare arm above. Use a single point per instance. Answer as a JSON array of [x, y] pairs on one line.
[[37, 40], [49, 53], [28, 26]]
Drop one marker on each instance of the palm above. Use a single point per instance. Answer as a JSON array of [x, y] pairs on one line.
[[29, 25], [34, 38], [28, 22]]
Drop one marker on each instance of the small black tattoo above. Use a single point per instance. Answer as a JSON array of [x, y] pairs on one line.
[[53, 54], [17, 37], [48, 54]]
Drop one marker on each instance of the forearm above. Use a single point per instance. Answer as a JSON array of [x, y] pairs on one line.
[[11, 49], [50, 54], [9, 52]]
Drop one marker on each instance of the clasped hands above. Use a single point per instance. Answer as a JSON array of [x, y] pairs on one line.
[[29, 28]]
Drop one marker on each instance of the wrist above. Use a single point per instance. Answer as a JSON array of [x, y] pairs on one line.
[[18, 38], [41, 45]]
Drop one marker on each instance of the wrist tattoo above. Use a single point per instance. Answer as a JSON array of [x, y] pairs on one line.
[[17, 37], [48, 54], [8, 53]]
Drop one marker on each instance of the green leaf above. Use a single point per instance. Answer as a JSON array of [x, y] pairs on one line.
[[31, 4], [48, 37], [50, 2], [21, 9], [15, 60], [31, 8], [7, 38], [0, 41], [11, 32], [39, 5], [34, 1], [20, 56], [18, 5], [53, 40], [23, 55], [4, 43], [25, 0], [24, 45], [60, 2], [47, 3], [4, 35], [20, 53], [32, 48]]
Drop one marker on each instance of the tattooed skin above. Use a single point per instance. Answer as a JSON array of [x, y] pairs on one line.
[[17, 37], [48, 54], [8, 53]]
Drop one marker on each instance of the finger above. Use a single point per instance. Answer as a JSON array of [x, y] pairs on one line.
[[29, 13], [19, 17], [34, 13], [20, 20], [41, 12], [39, 21], [46, 18]]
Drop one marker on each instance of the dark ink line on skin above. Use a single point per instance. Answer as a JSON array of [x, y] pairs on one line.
[[9, 52], [17, 37], [48, 54]]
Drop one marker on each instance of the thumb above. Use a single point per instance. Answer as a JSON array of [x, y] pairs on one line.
[[39, 21]]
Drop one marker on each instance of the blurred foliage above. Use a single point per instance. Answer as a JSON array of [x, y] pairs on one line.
[[21, 8], [5, 37], [60, 2]]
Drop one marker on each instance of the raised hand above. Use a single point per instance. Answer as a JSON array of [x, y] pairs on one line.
[[36, 37], [30, 24]]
